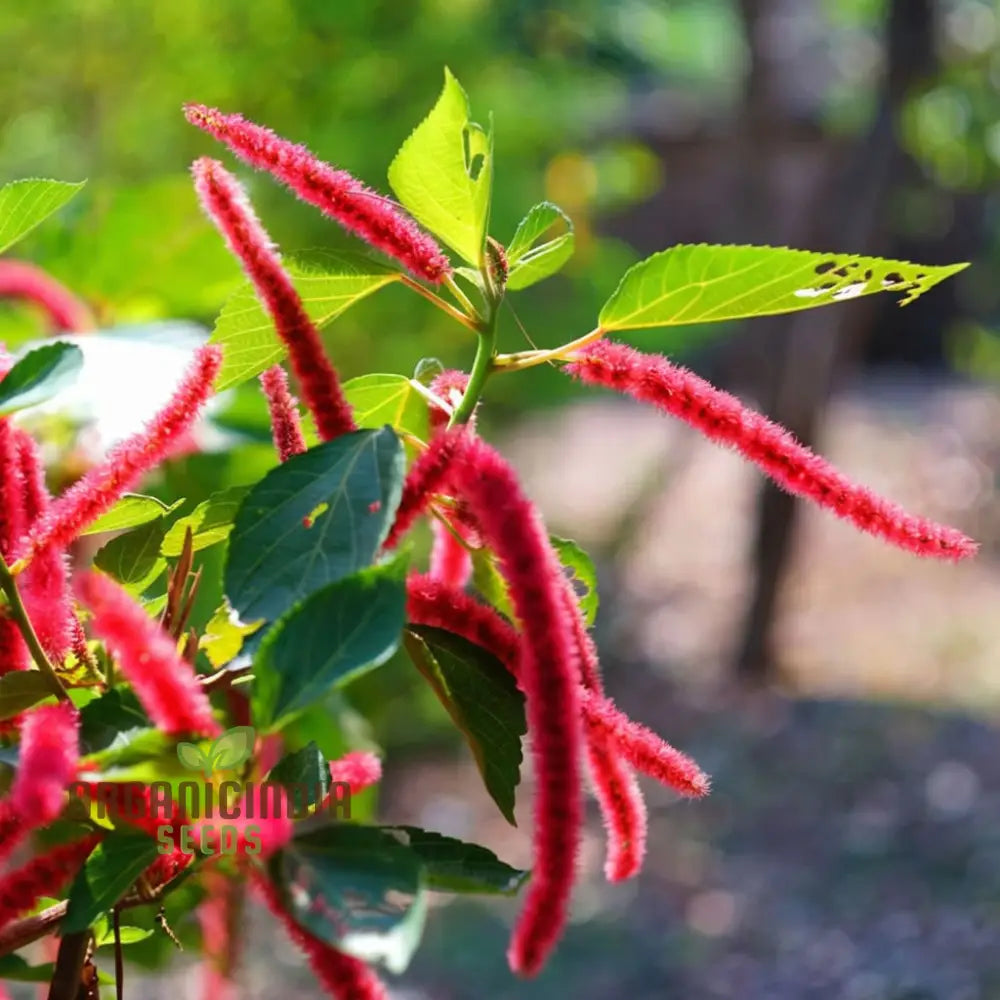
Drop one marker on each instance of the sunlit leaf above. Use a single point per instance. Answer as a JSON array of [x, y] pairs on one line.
[[24, 204]]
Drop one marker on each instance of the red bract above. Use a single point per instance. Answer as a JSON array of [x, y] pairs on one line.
[[343, 976], [548, 677], [286, 428], [104, 484], [334, 192], [46, 875], [63, 309], [721, 417], [227, 206], [165, 683], [359, 769], [49, 752]]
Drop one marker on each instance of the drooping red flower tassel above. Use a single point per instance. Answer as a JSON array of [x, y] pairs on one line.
[[358, 768], [451, 562], [427, 475], [49, 752], [12, 829], [261, 826], [13, 523], [45, 583], [103, 485], [343, 976], [19, 280], [547, 675], [334, 192], [164, 682], [721, 417], [286, 428], [46, 875], [218, 915]]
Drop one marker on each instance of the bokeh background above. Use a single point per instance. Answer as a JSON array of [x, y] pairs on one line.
[[844, 696]]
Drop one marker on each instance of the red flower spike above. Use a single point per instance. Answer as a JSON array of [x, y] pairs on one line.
[[46, 875], [548, 676], [722, 418], [643, 749], [286, 428], [359, 769], [62, 308], [166, 684], [262, 825], [226, 204], [343, 976], [13, 521], [167, 867], [334, 192], [12, 829], [427, 475], [45, 582], [449, 386], [217, 915], [48, 758], [451, 562], [103, 485]]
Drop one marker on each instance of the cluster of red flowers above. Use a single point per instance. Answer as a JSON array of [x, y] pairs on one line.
[[477, 502]]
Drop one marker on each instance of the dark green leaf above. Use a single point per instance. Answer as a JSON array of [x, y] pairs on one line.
[[346, 491], [480, 695], [304, 773], [40, 375], [115, 864], [349, 626], [356, 888], [134, 559], [21, 689], [452, 865]]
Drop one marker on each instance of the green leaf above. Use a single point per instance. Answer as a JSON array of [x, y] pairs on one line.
[[134, 559], [443, 173], [127, 935], [305, 771], [451, 865], [489, 581], [480, 695], [22, 689], [24, 204], [40, 375], [356, 888], [351, 625], [15, 969], [581, 571], [245, 329], [223, 637], [210, 522], [193, 757], [389, 399], [232, 748], [347, 490], [528, 263], [117, 861], [705, 284], [131, 511]]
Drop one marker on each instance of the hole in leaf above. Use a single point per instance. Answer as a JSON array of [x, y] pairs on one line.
[[827, 265]]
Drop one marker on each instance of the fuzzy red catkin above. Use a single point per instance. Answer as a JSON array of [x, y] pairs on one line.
[[429, 602], [721, 417], [13, 524], [165, 683], [226, 204], [451, 562], [548, 677], [103, 485], [45, 875], [334, 192], [19, 280], [49, 752], [12, 829], [343, 976], [286, 427], [217, 915], [357, 768], [427, 475]]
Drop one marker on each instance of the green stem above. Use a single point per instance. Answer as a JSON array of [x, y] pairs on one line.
[[528, 359], [471, 321], [19, 615], [482, 365]]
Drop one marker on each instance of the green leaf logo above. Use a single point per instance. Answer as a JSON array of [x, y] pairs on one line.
[[230, 750]]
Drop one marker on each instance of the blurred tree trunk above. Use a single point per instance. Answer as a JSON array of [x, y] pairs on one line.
[[811, 349]]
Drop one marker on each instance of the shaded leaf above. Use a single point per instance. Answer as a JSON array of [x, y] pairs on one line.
[[304, 774], [134, 559], [23, 689], [349, 626], [40, 375], [482, 699], [275, 560]]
